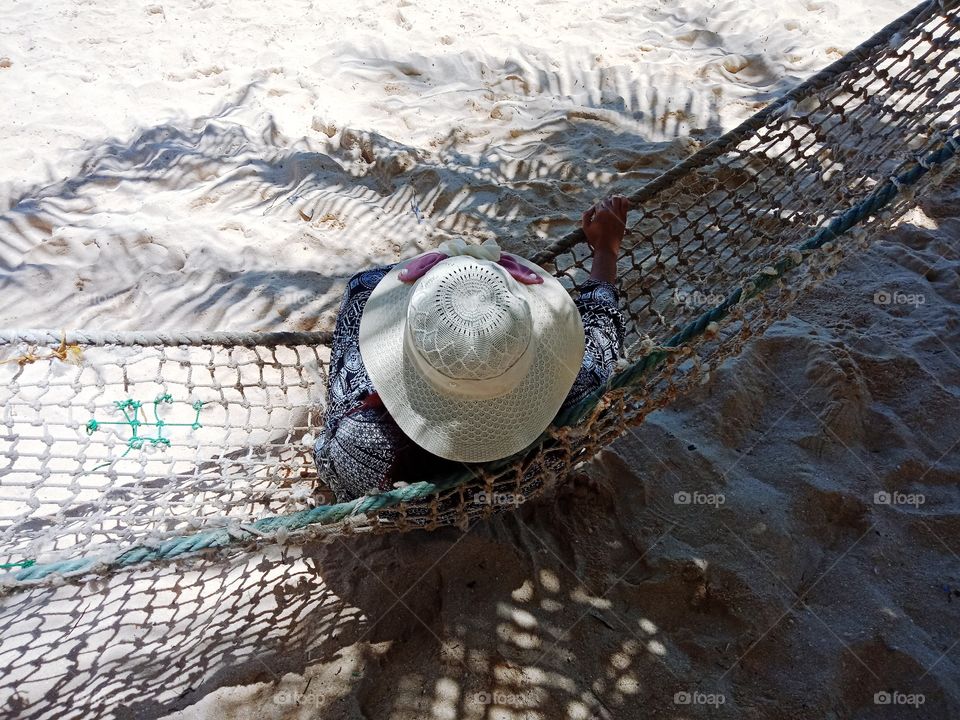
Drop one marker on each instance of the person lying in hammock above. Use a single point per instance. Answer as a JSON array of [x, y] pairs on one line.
[[463, 354]]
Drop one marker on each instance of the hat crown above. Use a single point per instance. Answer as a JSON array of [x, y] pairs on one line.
[[472, 420], [467, 323]]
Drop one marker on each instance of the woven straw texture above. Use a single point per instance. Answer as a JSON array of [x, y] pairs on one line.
[[543, 338]]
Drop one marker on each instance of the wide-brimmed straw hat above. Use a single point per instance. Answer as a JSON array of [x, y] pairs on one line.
[[471, 364]]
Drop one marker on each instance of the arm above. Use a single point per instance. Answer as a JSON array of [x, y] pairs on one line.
[[604, 266], [604, 327], [604, 324]]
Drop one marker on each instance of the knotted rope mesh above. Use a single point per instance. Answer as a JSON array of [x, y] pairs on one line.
[[123, 448], [135, 443]]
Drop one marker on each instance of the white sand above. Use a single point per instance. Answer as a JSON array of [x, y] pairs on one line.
[[156, 157], [225, 165]]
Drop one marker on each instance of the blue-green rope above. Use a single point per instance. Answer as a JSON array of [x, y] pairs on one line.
[[881, 196], [130, 409], [21, 564]]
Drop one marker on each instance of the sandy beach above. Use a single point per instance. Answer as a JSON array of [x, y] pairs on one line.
[[780, 543]]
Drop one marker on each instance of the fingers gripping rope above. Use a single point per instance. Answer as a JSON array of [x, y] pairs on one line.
[[877, 200]]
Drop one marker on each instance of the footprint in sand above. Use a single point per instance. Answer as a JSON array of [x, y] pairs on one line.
[[402, 21]]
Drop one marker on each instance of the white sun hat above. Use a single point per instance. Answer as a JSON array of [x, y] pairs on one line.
[[471, 364]]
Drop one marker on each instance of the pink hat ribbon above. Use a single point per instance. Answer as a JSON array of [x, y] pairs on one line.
[[488, 250]]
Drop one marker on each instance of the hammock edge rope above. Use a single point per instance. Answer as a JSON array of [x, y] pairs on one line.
[[721, 144]]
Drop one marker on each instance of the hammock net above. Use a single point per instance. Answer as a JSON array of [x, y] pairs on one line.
[[120, 448]]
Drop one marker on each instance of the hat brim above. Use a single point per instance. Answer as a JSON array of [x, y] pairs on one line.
[[473, 430]]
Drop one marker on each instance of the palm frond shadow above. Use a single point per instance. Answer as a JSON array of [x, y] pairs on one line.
[[322, 193]]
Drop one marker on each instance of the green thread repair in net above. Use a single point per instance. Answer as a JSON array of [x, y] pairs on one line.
[[131, 410]]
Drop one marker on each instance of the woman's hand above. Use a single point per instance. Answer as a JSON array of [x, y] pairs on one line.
[[605, 223], [419, 267]]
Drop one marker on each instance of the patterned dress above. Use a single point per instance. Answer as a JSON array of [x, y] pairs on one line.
[[362, 448]]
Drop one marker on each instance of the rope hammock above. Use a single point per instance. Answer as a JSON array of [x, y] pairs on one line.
[[125, 448]]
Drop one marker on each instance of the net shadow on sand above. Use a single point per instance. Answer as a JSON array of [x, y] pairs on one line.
[[161, 639]]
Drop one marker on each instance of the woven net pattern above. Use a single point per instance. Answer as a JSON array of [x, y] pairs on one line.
[[131, 444], [147, 448], [468, 324]]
